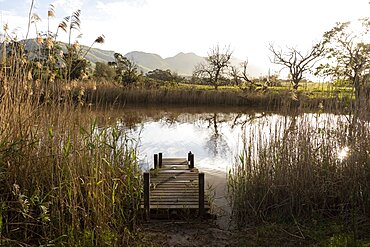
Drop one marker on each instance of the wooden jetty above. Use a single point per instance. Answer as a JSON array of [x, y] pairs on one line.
[[174, 186]]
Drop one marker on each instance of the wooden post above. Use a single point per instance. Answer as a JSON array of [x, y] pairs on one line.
[[155, 161], [191, 161], [146, 195], [189, 157], [201, 194], [160, 160]]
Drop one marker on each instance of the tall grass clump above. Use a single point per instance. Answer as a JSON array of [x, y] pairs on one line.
[[64, 180], [302, 168]]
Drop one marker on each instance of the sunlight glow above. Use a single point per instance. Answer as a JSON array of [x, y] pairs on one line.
[[343, 153]]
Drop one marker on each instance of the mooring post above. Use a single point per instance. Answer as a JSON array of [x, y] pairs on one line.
[[160, 160], [155, 161], [191, 161], [146, 195], [189, 158], [201, 194]]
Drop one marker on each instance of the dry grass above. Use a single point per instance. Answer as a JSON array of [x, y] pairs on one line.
[[109, 94], [292, 172], [64, 180]]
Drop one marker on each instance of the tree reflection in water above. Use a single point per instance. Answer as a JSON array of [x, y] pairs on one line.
[[216, 144]]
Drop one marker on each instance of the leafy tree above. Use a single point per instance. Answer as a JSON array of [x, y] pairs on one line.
[[104, 71], [161, 75], [216, 64], [297, 62], [348, 55], [126, 70]]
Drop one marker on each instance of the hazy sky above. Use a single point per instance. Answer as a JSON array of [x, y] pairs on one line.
[[167, 27]]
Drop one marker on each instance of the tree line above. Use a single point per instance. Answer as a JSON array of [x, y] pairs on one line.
[[343, 55]]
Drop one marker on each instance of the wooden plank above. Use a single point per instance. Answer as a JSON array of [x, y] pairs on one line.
[[174, 194], [174, 160], [175, 183], [164, 176], [175, 186], [201, 194], [173, 200], [175, 203], [174, 180], [164, 173], [174, 167], [180, 177], [170, 206], [176, 171], [146, 194]]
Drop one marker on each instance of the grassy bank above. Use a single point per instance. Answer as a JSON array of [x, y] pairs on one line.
[[192, 95], [312, 175]]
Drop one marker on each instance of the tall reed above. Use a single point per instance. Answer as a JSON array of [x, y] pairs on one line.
[[303, 167], [64, 180]]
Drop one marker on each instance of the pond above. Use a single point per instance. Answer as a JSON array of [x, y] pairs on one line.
[[215, 135]]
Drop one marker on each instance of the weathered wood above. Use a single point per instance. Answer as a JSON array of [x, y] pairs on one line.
[[178, 171], [155, 161], [175, 184], [171, 206], [160, 160], [201, 194], [146, 194], [191, 166]]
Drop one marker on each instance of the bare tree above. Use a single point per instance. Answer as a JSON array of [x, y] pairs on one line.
[[235, 75], [239, 75], [297, 62], [216, 63]]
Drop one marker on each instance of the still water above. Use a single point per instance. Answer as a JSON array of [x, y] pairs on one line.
[[214, 135]]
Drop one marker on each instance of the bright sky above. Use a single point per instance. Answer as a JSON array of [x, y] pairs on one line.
[[167, 27]]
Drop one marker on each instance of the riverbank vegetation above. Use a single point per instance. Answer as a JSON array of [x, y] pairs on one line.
[[306, 172], [66, 181]]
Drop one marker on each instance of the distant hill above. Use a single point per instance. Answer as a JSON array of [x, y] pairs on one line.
[[182, 63], [94, 55], [147, 61]]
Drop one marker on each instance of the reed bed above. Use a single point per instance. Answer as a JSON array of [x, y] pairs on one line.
[[108, 94], [304, 168], [64, 180]]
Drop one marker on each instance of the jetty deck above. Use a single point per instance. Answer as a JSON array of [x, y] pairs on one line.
[[174, 185]]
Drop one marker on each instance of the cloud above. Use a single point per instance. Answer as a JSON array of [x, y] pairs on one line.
[[113, 4], [69, 6]]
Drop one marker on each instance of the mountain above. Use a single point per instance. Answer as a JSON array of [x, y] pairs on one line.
[[94, 55], [147, 61], [99, 55], [183, 63]]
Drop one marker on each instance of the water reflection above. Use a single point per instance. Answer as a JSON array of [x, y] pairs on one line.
[[216, 136], [216, 144]]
